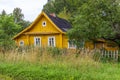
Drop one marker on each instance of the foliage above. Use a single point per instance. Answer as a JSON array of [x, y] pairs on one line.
[[90, 19], [95, 19], [64, 14], [19, 18], [3, 13], [7, 29], [64, 8], [54, 51], [58, 6], [23, 24], [10, 24]]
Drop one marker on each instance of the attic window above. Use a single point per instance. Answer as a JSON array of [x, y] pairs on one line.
[[44, 23]]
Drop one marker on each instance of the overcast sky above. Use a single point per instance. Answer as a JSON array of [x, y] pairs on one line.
[[30, 8]]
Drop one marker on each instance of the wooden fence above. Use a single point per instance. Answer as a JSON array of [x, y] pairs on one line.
[[103, 54], [110, 54]]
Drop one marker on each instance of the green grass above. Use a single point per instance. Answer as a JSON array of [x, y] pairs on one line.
[[36, 66], [60, 71]]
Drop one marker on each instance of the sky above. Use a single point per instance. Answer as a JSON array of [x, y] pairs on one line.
[[30, 8]]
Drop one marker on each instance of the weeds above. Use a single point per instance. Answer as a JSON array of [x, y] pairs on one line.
[[47, 64]]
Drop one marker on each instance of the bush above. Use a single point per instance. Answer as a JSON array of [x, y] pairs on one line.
[[54, 51]]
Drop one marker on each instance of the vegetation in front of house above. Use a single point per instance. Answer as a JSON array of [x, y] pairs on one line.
[[47, 64]]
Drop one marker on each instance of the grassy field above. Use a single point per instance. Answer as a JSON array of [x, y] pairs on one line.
[[43, 65]]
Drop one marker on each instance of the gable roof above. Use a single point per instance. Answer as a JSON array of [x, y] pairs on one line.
[[59, 23], [63, 24]]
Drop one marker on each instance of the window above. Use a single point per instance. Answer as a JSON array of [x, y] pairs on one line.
[[21, 43], [51, 41], [71, 44], [37, 41], [44, 23]]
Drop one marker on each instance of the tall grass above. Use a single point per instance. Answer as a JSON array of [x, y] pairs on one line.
[[55, 64], [47, 55]]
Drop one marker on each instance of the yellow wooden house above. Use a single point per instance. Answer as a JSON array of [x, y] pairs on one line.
[[47, 30]]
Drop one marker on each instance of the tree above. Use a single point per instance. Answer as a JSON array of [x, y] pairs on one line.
[[7, 30], [10, 24], [18, 15], [63, 7], [64, 14], [19, 19], [95, 19], [57, 6], [49, 7], [3, 13], [24, 24]]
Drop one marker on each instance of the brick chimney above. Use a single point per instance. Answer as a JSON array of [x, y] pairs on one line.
[[53, 14]]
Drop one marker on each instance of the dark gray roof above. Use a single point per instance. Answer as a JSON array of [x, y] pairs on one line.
[[63, 24]]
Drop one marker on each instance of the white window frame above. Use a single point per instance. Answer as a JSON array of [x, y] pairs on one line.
[[20, 43], [35, 38], [71, 47], [54, 43], [44, 23]]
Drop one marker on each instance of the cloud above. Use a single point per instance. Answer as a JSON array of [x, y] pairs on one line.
[[30, 8]]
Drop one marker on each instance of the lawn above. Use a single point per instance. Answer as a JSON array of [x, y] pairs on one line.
[[61, 71]]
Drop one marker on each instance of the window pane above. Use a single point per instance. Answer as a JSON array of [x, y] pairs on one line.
[[37, 41], [21, 43], [51, 42]]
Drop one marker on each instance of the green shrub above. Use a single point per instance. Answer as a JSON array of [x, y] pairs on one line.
[[54, 51]]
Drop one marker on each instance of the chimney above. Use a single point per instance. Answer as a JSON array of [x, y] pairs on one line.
[[53, 14]]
